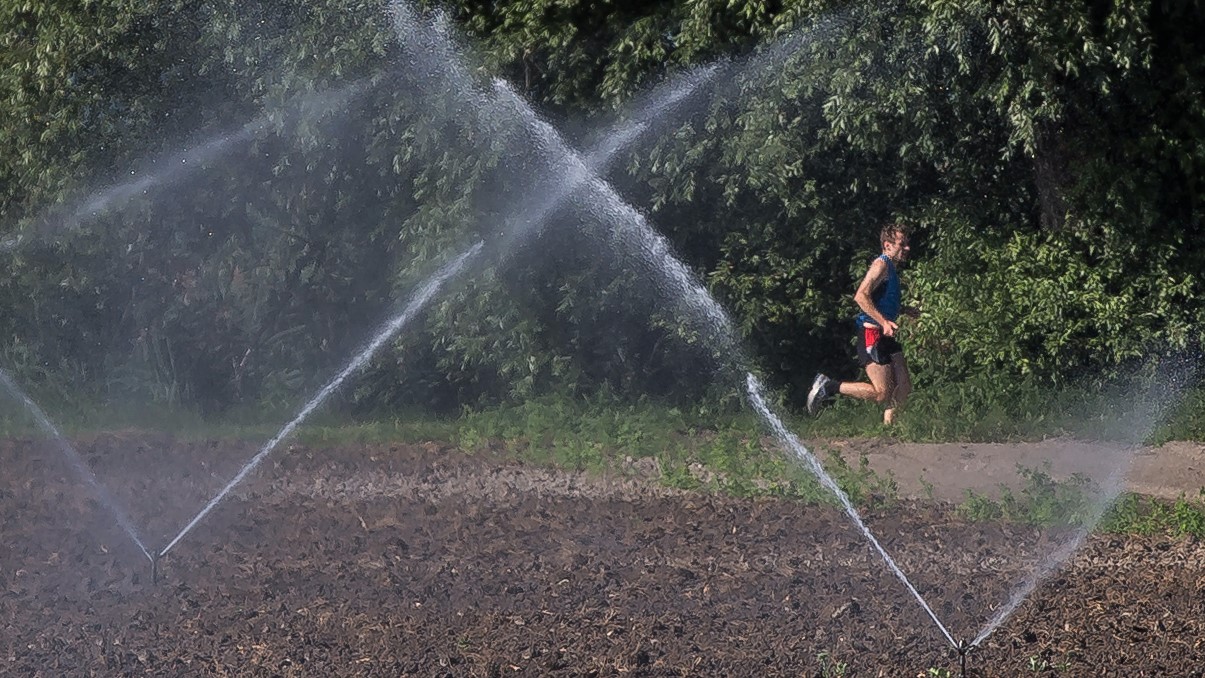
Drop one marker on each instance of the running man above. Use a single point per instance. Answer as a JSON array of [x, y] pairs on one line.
[[878, 350]]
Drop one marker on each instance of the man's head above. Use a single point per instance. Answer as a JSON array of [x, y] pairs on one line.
[[895, 240]]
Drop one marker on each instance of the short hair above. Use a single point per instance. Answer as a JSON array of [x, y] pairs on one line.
[[892, 229]]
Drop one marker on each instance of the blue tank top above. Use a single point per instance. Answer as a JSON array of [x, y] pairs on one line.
[[886, 296]]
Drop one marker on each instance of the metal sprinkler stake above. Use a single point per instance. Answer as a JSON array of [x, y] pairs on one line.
[[155, 570], [963, 650]]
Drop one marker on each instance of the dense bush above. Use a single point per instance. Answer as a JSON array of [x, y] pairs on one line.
[[1050, 156]]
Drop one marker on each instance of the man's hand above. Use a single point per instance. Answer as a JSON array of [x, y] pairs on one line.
[[889, 328]]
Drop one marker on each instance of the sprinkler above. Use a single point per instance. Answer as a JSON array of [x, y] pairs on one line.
[[155, 569], [963, 650]]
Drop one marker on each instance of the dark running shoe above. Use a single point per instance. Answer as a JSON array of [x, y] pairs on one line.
[[823, 388]]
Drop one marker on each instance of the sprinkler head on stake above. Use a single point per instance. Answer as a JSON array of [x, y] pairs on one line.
[[963, 650], [155, 570]]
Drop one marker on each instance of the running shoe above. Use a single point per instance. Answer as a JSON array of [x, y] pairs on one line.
[[823, 388]]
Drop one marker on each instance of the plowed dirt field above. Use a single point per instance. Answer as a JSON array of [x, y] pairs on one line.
[[424, 561]]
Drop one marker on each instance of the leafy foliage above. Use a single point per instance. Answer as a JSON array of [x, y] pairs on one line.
[[1051, 157]]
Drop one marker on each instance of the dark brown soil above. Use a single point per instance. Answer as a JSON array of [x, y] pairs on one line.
[[423, 561]]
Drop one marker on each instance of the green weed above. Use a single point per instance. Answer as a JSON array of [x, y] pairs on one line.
[[1046, 502], [1042, 501], [1133, 514], [1039, 664], [863, 486], [831, 668]]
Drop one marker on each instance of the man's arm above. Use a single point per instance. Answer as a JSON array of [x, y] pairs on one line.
[[873, 278]]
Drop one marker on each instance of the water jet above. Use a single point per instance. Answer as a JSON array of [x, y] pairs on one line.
[[416, 304], [77, 462], [632, 237]]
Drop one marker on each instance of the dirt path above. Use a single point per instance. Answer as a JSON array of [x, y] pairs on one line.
[[948, 470]]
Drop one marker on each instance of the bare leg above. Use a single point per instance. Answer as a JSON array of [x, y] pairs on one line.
[[878, 390], [903, 387]]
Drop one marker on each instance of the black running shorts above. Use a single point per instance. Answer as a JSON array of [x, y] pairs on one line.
[[873, 347]]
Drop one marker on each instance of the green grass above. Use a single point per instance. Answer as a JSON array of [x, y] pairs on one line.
[[724, 454], [978, 409], [1075, 502], [696, 449], [1134, 514], [1042, 501], [982, 409], [249, 424]]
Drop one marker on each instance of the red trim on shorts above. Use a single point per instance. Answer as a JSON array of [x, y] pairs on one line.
[[870, 335]]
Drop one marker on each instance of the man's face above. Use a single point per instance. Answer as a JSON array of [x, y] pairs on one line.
[[897, 247]]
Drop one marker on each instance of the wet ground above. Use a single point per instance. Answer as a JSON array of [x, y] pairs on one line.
[[424, 561]]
